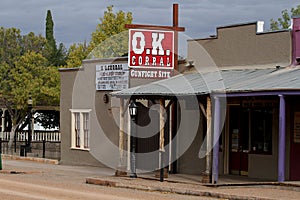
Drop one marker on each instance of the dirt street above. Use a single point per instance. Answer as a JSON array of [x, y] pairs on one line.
[[30, 180]]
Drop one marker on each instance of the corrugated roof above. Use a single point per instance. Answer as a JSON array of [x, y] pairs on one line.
[[228, 81]]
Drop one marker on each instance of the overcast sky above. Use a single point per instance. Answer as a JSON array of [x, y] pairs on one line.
[[75, 20]]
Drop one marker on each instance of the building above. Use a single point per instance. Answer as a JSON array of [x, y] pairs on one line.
[[237, 95]]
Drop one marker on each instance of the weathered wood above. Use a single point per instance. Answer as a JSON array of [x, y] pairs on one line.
[[203, 110], [162, 125], [121, 170], [143, 26], [121, 130], [208, 138]]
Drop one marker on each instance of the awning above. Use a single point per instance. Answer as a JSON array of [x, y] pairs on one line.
[[222, 81]]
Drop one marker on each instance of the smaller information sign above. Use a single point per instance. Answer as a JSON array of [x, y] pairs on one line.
[[112, 76]]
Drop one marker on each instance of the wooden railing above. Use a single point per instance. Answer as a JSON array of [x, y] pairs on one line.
[[37, 136]]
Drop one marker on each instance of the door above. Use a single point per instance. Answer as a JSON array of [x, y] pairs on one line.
[[295, 149], [239, 140]]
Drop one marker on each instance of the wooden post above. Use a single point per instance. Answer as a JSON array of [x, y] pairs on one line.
[[161, 138], [161, 125], [175, 25], [121, 171], [207, 174], [121, 131]]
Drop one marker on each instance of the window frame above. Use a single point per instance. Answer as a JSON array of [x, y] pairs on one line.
[[80, 122]]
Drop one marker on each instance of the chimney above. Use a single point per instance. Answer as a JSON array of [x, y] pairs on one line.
[[260, 26], [296, 41]]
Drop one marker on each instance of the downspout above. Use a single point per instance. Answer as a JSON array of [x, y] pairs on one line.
[[296, 41]]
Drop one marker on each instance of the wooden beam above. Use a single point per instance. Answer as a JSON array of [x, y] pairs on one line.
[[125, 107], [156, 27], [162, 125], [169, 104], [175, 26], [121, 130], [208, 137], [203, 110]]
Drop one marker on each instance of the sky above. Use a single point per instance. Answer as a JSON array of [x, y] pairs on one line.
[[75, 20]]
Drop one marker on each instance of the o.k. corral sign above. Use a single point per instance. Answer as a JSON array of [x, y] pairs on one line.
[[151, 53]]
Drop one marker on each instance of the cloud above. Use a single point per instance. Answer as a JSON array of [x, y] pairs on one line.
[[75, 20]]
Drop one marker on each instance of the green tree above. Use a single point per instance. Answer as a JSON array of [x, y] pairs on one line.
[[55, 56], [10, 47], [111, 30], [110, 39], [50, 30], [76, 54], [13, 44], [30, 77], [32, 42], [283, 22]]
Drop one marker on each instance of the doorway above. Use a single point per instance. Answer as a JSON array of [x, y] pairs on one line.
[[239, 140], [295, 148], [250, 131]]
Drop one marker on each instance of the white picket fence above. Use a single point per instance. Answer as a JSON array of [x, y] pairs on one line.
[[37, 136]]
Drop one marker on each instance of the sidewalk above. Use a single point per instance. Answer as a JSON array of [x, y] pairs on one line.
[[189, 185]]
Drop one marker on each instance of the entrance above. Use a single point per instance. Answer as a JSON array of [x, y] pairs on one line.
[[250, 130], [147, 140], [295, 149], [239, 137]]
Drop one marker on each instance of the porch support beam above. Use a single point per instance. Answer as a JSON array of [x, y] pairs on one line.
[[208, 139], [161, 138], [217, 119], [121, 170], [281, 143]]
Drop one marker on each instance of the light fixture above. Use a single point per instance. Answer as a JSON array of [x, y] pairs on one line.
[[133, 109], [29, 102], [105, 98]]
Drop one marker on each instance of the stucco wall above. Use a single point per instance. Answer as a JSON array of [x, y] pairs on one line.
[[190, 162], [240, 45], [78, 91]]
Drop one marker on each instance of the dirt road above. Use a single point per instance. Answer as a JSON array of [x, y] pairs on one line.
[[29, 180]]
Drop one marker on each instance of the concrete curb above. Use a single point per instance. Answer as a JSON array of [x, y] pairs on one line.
[[39, 160], [105, 182]]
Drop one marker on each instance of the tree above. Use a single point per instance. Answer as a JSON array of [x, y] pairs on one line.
[[32, 42], [50, 31], [10, 47], [13, 44], [76, 54], [110, 39], [55, 56], [284, 21], [30, 77], [49, 119]]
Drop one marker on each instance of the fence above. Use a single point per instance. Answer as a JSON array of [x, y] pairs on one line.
[[44, 144], [36, 136]]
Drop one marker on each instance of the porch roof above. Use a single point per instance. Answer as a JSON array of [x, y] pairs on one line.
[[222, 81]]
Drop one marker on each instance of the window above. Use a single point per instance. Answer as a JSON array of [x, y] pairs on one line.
[[80, 128], [251, 129], [86, 129], [261, 128]]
